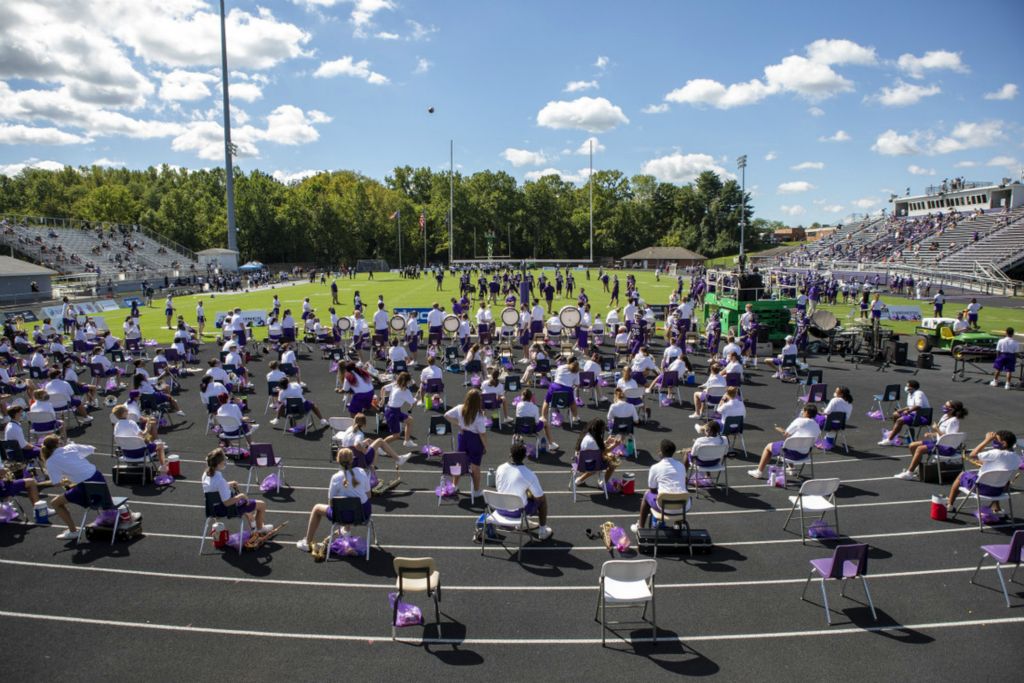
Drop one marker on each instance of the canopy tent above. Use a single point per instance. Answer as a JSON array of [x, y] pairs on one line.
[[251, 266]]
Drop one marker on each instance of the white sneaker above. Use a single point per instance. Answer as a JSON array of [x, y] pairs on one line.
[[323, 422], [906, 475], [180, 413], [67, 535], [50, 511], [885, 442], [1006, 386], [302, 545], [411, 443], [634, 527], [756, 473], [693, 416], [275, 421], [544, 533], [86, 420], [994, 383], [552, 446], [402, 459], [266, 528]]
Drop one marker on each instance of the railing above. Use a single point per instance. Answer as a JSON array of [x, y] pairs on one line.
[[82, 224], [977, 281], [966, 185]]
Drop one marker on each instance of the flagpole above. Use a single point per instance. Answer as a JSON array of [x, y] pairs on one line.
[[399, 222], [423, 231], [591, 183], [451, 198]]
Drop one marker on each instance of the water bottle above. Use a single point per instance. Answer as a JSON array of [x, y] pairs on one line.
[[490, 478], [542, 445], [630, 447], [428, 402]]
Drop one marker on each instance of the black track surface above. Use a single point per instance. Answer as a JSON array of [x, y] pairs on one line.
[[736, 611]]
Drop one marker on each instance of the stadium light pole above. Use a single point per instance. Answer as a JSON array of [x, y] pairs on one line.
[[741, 163], [591, 183], [451, 200], [229, 172]]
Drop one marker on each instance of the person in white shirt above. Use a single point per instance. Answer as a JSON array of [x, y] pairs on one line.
[[960, 325], [731, 347], [537, 353], [789, 351], [715, 380], [160, 395], [595, 437], [397, 353], [380, 322], [348, 482], [430, 371], [731, 405], [527, 408], [916, 400], [516, 478], [672, 351], [1007, 349], [69, 466], [805, 425], [292, 389], [668, 475], [125, 426], [56, 385], [493, 386], [994, 454], [643, 366], [14, 432], [621, 408], [972, 313], [288, 325], [397, 398], [565, 378], [434, 319], [472, 438], [949, 423], [355, 438], [200, 318], [233, 502], [841, 402]]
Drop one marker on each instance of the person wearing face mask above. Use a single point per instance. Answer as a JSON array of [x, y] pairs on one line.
[[949, 423], [916, 400], [994, 454]]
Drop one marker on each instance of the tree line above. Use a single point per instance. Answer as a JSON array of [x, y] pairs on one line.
[[338, 217]]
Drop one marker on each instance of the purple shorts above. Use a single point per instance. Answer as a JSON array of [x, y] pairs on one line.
[[360, 402], [972, 317], [367, 511], [472, 445], [553, 389], [1005, 362], [877, 315], [969, 479], [242, 507], [76, 494], [532, 508], [913, 420], [652, 500], [395, 418], [638, 401], [944, 451], [11, 488]]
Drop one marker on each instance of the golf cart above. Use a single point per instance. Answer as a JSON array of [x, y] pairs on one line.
[[936, 334]]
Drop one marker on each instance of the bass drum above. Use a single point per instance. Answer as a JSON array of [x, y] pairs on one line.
[[344, 324], [397, 323], [570, 317], [510, 317], [450, 324]]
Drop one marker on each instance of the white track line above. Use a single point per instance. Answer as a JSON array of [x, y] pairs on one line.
[[383, 637], [390, 586]]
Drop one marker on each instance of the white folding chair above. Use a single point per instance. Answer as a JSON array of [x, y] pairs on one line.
[[627, 583], [671, 512], [231, 430], [416, 575], [42, 423], [815, 495], [497, 505], [710, 459], [131, 455], [996, 479], [947, 450], [797, 451]]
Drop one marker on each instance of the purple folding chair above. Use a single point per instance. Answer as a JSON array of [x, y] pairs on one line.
[[847, 562], [261, 455], [816, 393], [735, 379], [588, 461], [588, 382], [1004, 553], [436, 386]]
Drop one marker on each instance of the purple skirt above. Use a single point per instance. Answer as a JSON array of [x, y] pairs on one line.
[[472, 445], [242, 507], [395, 418], [347, 519], [581, 337], [638, 401], [1005, 362], [360, 402], [969, 479], [76, 494]]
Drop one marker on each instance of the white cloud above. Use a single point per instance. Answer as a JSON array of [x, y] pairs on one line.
[[865, 202], [771, 156], [577, 86], [816, 111], [833, 208], [838, 136], [601, 62], [108, 163], [247, 92], [891, 143], [904, 94], [362, 14], [840, 51], [592, 114], [27, 135], [523, 157], [966, 164], [707, 91], [14, 169], [794, 187], [286, 125], [792, 210], [914, 169], [808, 166], [347, 67], [422, 65], [812, 80], [930, 61], [683, 168], [420, 31], [185, 86], [584, 148], [1004, 162], [578, 177], [1007, 92], [969, 135], [289, 125], [655, 109], [288, 178], [384, 35]]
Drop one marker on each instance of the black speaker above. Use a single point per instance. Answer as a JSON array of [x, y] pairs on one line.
[[925, 361], [897, 352]]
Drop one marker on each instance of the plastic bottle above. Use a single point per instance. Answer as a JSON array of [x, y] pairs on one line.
[[490, 478]]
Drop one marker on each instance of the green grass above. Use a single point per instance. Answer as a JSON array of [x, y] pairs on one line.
[[421, 293]]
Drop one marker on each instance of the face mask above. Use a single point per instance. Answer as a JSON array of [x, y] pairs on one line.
[[945, 409], [996, 443]]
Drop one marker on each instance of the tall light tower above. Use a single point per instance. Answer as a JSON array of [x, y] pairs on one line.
[[741, 163], [228, 147]]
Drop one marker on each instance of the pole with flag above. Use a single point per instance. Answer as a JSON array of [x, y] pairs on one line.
[[397, 217]]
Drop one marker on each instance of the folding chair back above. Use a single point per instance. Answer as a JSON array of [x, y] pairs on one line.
[[816, 393], [891, 394], [797, 448], [421, 570], [451, 354], [132, 447], [473, 366], [590, 461], [506, 502], [733, 424], [709, 455], [819, 487], [295, 407], [526, 425], [433, 386], [629, 570], [622, 425], [673, 505], [230, 426], [849, 561], [513, 383], [399, 366], [439, 426], [669, 378], [458, 459], [607, 364], [97, 496], [542, 366], [835, 421], [588, 380], [262, 455], [489, 401], [813, 377], [347, 510], [732, 379], [561, 399]]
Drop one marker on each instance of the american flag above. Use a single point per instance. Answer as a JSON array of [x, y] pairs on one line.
[[423, 221], [395, 215]]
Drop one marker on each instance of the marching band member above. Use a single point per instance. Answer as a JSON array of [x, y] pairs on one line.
[[472, 440], [397, 397], [1007, 349], [232, 501], [348, 482]]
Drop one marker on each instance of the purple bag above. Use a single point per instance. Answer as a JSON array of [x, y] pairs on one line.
[[701, 480], [619, 451], [820, 529], [349, 546], [163, 480], [777, 476], [297, 429], [474, 381], [666, 401], [556, 418], [106, 518], [619, 538], [334, 368], [614, 486], [987, 516], [269, 483], [446, 489], [408, 615], [8, 513], [876, 414], [233, 539], [517, 400], [579, 402], [431, 451], [111, 384], [602, 382], [825, 444]]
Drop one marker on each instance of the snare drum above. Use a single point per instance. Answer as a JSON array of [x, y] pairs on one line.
[[570, 317]]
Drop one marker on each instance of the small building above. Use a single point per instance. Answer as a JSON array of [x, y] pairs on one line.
[[17, 278], [220, 259], [789, 235], [815, 234], [662, 257]]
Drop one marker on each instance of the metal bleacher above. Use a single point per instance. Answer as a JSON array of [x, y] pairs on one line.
[[1001, 247], [946, 248]]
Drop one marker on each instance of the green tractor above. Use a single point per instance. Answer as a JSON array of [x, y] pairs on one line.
[[936, 334]]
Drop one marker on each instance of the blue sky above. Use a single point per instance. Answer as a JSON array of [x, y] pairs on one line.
[[835, 104]]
